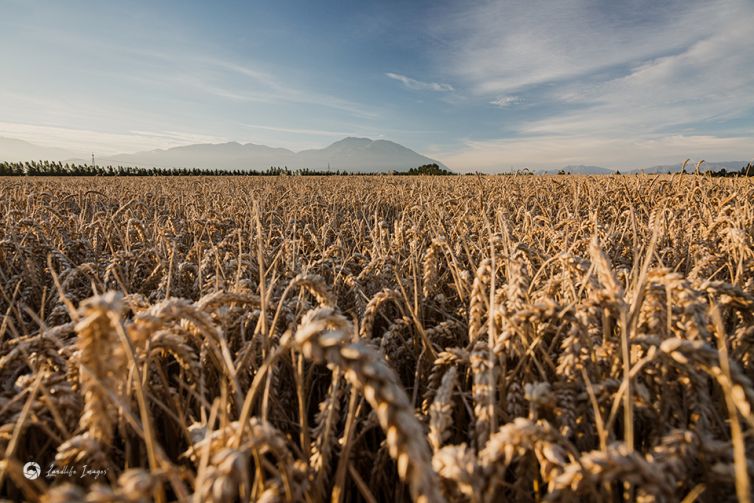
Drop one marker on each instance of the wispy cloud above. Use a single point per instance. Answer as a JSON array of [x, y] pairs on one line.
[[418, 85], [505, 101], [612, 83], [82, 142], [243, 82], [274, 90], [301, 131], [701, 87], [500, 46]]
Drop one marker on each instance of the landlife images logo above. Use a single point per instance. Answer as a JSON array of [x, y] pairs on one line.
[[32, 470]]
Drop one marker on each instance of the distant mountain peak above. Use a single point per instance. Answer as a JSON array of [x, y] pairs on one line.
[[351, 141], [355, 139]]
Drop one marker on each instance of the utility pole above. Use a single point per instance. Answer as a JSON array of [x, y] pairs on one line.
[[92, 158]]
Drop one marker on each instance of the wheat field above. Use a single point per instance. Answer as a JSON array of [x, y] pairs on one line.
[[510, 338]]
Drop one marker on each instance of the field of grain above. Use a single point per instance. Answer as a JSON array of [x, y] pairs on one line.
[[468, 338]]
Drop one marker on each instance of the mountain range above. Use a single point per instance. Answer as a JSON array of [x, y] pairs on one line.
[[665, 168], [349, 154]]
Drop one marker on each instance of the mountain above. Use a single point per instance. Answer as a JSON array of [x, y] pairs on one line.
[[363, 154], [349, 154], [225, 156], [12, 150], [672, 168]]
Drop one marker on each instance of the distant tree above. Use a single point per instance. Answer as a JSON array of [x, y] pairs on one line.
[[429, 169]]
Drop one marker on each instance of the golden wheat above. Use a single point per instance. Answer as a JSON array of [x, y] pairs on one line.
[[377, 338]]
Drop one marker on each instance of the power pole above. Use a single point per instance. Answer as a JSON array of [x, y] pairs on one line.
[[92, 158]]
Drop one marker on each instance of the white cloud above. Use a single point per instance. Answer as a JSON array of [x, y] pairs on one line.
[[621, 85], [500, 46], [418, 85], [505, 101], [709, 82]]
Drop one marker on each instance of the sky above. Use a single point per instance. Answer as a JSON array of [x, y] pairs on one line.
[[479, 85]]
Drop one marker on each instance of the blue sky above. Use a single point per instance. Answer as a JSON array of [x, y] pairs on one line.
[[478, 84]]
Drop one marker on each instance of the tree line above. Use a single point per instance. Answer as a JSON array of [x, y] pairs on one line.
[[53, 168], [747, 170]]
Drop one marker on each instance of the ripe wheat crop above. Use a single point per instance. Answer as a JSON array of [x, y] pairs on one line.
[[377, 339]]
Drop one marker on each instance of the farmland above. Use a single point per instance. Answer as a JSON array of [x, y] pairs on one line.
[[521, 338]]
